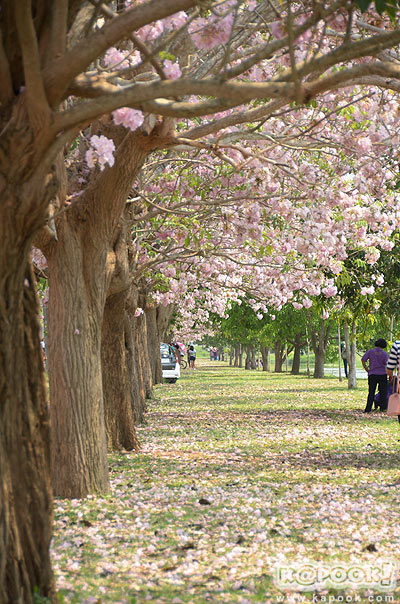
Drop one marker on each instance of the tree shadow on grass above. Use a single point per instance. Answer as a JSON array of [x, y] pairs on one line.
[[286, 416]]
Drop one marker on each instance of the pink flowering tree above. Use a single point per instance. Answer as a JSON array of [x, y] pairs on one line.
[[64, 65]]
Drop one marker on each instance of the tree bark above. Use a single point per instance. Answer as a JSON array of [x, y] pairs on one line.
[[83, 260], [278, 349], [142, 351], [237, 354], [138, 359], [265, 358], [351, 346], [296, 356], [153, 345], [118, 404], [247, 362], [25, 489], [319, 342], [79, 449], [240, 356], [157, 321]]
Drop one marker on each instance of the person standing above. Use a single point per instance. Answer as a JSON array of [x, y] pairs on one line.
[[192, 356], [376, 358]]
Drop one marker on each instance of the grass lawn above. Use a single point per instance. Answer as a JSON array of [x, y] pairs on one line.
[[239, 472]]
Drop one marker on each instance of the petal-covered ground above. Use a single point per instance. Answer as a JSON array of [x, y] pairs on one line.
[[240, 474]]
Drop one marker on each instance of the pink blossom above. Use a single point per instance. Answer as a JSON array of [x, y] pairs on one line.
[[115, 57], [277, 30], [208, 33], [372, 255], [139, 311], [307, 303], [329, 291], [101, 152], [172, 70], [175, 21], [367, 290], [130, 118], [150, 32], [364, 145]]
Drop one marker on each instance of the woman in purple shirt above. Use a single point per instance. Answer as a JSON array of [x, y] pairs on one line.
[[376, 368]]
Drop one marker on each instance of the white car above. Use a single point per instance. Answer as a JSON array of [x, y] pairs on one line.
[[171, 370]]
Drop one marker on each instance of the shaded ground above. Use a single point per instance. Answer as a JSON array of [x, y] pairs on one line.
[[239, 472]]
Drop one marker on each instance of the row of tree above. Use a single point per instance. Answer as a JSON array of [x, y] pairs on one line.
[[90, 93]]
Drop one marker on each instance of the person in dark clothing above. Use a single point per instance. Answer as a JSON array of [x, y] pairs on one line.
[[377, 358], [191, 356]]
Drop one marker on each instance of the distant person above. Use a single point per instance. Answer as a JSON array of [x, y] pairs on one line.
[[376, 358], [178, 353], [192, 356], [343, 352], [393, 364]]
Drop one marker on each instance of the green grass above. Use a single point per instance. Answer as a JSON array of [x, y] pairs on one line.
[[238, 471]]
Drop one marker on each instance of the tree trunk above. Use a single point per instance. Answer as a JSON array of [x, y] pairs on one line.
[[231, 355], [296, 356], [253, 358], [25, 489], [142, 350], [118, 404], [164, 315], [319, 342], [237, 354], [139, 364], [153, 345], [247, 362], [351, 345], [79, 449], [26, 505], [278, 356], [265, 358], [319, 363], [240, 353]]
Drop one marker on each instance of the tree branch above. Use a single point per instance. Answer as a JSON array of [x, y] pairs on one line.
[[148, 97], [345, 53], [61, 73], [58, 31], [6, 88], [38, 108], [107, 12], [141, 96]]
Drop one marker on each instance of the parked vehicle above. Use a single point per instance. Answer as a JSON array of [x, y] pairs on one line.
[[171, 370]]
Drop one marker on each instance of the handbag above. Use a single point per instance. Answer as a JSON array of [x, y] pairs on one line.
[[393, 408]]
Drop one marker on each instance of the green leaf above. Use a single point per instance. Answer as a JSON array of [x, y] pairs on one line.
[[363, 4], [380, 6]]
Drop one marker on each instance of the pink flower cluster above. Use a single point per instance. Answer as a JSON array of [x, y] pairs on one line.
[[101, 152], [172, 70], [130, 118], [208, 33]]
